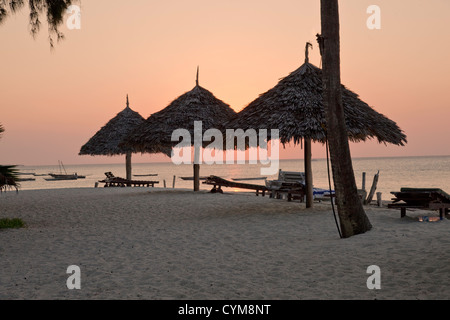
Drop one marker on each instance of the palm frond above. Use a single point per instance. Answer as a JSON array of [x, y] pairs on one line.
[[9, 176], [54, 10]]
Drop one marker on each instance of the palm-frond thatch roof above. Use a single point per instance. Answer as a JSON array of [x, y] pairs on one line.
[[155, 134], [295, 107], [106, 140]]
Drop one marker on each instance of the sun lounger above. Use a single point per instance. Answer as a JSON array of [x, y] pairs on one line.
[[421, 198], [113, 181], [290, 183], [218, 183], [286, 177]]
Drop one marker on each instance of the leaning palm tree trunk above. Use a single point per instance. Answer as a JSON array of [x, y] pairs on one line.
[[352, 217]]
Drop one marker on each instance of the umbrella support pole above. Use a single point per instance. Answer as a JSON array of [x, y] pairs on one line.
[[196, 177], [128, 165], [308, 174]]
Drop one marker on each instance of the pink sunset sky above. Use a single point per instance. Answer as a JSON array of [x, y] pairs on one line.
[[53, 101]]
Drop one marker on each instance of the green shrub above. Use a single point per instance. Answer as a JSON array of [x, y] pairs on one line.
[[15, 223]]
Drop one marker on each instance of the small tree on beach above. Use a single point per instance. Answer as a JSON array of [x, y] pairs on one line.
[[8, 178], [353, 219], [8, 174], [53, 9]]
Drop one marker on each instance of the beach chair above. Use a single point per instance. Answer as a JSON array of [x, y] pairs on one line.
[[290, 183], [109, 175], [285, 178], [113, 181], [421, 198], [219, 182]]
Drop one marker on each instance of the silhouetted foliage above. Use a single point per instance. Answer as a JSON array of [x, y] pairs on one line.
[[53, 9], [9, 178]]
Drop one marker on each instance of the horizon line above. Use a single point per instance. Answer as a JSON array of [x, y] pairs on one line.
[[289, 159]]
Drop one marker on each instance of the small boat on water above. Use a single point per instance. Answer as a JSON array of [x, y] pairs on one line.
[[25, 173], [25, 179], [55, 176], [63, 176], [146, 175]]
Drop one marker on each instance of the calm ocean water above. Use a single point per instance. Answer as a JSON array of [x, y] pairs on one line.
[[395, 173]]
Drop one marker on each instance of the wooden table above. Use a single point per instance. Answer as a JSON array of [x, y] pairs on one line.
[[425, 199]]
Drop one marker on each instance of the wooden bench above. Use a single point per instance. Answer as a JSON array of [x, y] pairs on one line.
[[425, 199], [218, 183], [113, 181]]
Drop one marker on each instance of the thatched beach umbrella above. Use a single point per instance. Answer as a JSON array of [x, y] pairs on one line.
[[155, 135], [106, 141], [295, 107]]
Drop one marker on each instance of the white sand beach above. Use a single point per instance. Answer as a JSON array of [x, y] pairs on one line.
[[145, 243]]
